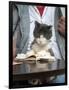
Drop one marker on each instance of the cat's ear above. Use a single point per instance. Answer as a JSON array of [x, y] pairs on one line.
[[50, 26], [37, 23]]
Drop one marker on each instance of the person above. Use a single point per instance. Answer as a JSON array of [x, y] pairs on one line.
[[30, 14]]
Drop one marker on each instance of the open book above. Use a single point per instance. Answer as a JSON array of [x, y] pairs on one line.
[[31, 55]]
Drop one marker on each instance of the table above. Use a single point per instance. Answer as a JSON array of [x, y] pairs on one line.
[[43, 70]]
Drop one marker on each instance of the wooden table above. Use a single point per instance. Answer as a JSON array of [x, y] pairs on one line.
[[38, 70]]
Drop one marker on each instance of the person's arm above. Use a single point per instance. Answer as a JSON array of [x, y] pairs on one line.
[[59, 22]]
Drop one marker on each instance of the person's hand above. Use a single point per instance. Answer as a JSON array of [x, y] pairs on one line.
[[61, 26]]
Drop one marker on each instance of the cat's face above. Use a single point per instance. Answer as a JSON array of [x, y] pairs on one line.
[[42, 33], [41, 40], [42, 29]]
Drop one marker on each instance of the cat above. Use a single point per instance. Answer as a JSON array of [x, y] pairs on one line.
[[42, 35]]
